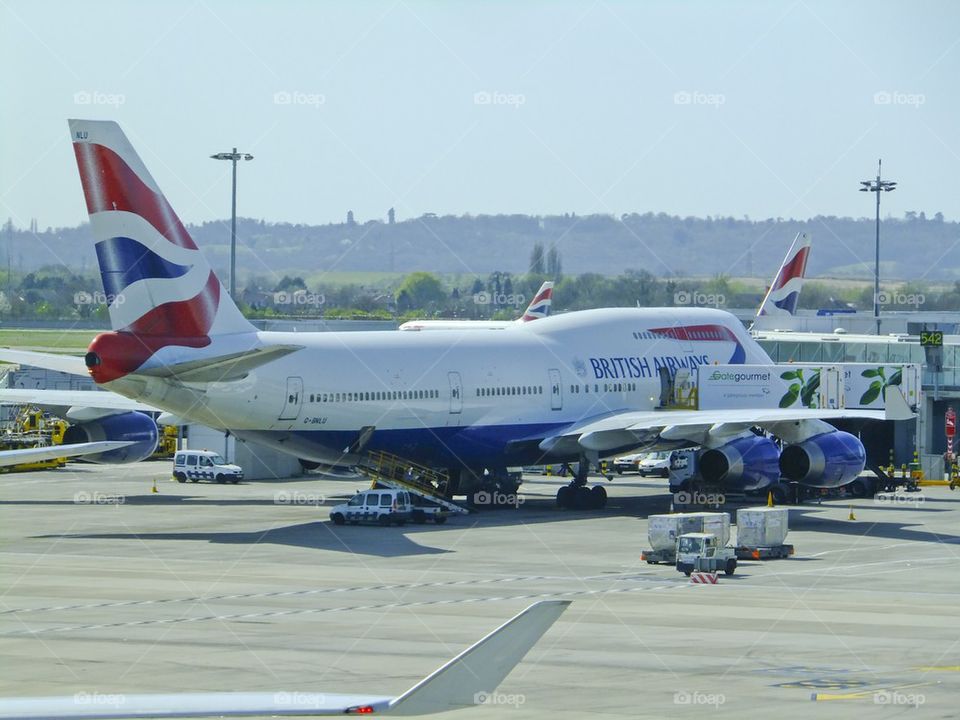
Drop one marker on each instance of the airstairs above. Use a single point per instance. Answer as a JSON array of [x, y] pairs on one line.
[[392, 471]]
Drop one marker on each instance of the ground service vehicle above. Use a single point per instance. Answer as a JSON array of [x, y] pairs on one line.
[[628, 463], [655, 463], [197, 465], [664, 530], [703, 552], [384, 506]]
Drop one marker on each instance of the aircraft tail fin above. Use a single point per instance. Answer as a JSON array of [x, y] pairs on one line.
[[156, 281], [539, 307], [782, 296]]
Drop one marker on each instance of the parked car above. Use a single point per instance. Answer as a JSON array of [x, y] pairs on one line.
[[197, 465], [628, 463], [655, 463]]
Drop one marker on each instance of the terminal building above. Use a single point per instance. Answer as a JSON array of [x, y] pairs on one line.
[[940, 378]]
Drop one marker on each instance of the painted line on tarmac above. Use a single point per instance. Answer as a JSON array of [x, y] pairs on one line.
[[274, 594], [322, 591], [344, 608], [834, 568]]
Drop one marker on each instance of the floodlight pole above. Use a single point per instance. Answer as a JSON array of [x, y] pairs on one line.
[[233, 157], [877, 186]]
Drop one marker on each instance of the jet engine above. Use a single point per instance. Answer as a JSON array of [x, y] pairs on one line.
[[133, 427], [829, 460], [745, 463]]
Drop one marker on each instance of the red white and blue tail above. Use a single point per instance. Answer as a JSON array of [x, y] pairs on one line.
[[782, 297], [160, 288], [539, 307]]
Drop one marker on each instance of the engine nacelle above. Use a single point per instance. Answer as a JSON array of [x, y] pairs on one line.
[[133, 427], [825, 461], [746, 463]]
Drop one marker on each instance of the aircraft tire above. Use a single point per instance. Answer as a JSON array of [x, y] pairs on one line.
[[598, 496]]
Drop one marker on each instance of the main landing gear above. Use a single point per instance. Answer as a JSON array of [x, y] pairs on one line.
[[577, 496]]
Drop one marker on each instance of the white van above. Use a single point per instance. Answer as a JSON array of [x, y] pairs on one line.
[[383, 506], [197, 465]]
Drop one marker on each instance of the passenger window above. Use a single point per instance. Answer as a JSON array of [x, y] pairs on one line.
[[206, 462], [386, 500], [355, 501], [180, 460], [373, 499], [192, 460]]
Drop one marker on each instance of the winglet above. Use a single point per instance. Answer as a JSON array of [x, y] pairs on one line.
[[478, 670], [895, 405]]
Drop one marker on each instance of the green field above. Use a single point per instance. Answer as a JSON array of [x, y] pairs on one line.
[[61, 341]]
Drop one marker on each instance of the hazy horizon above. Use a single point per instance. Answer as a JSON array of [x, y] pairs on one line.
[[690, 109]]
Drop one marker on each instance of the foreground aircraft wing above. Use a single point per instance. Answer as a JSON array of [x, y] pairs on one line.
[[51, 452], [626, 429], [462, 682]]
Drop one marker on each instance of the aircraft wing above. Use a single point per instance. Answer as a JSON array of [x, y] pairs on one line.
[[70, 364], [98, 400], [631, 429], [462, 682], [51, 452]]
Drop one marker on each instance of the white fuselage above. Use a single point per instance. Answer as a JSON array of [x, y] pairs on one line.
[[455, 397]]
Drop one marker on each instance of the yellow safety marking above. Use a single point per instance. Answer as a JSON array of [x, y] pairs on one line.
[[939, 668], [859, 695]]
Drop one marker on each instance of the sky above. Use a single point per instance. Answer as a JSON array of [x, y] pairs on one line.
[[689, 108]]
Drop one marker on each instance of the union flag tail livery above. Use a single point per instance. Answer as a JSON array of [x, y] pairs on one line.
[[539, 307], [161, 290], [781, 298]]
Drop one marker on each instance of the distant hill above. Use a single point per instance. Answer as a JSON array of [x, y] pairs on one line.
[[912, 247]]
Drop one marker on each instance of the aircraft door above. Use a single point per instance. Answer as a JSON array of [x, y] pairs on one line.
[[556, 390], [291, 405], [456, 393]]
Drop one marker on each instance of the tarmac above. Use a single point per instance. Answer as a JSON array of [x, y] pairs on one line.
[[109, 588]]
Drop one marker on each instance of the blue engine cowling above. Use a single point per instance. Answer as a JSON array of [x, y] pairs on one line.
[[134, 427], [747, 463], [830, 460]]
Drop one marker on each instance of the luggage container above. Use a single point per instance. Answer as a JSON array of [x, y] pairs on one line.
[[761, 532]]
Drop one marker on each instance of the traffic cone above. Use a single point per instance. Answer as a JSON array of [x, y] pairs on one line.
[[851, 516], [770, 499], [154, 488]]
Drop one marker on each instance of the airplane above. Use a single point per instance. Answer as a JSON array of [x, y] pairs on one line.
[[80, 411], [567, 388], [784, 291], [538, 308], [465, 681]]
